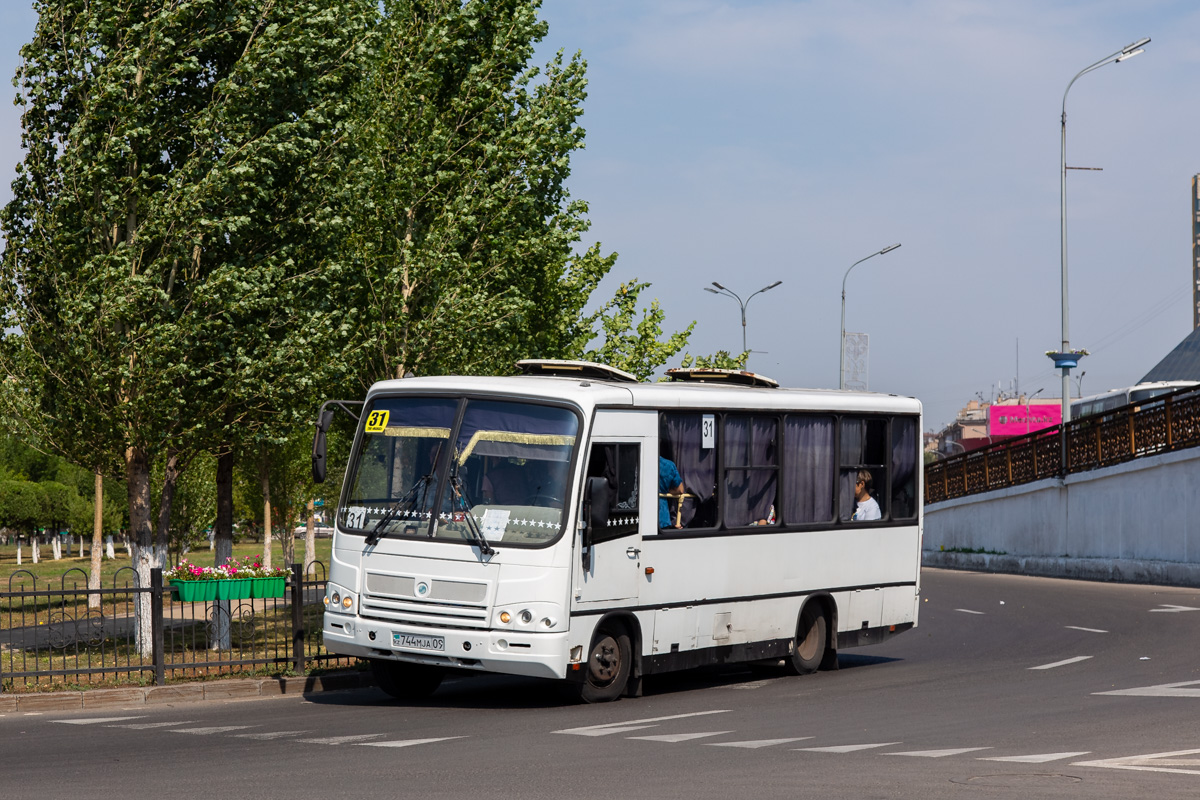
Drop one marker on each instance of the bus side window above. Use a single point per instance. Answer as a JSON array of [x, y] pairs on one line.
[[618, 464], [864, 448], [689, 440]]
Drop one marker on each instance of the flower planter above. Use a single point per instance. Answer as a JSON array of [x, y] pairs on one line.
[[194, 591], [233, 588], [267, 587]]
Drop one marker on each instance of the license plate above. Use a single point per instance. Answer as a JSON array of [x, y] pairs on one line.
[[418, 641]]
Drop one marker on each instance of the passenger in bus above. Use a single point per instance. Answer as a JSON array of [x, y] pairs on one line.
[[867, 508], [669, 483], [504, 484]]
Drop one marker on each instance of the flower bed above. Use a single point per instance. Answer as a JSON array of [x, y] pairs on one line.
[[238, 579]]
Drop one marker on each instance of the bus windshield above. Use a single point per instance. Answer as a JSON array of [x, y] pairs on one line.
[[460, 469]]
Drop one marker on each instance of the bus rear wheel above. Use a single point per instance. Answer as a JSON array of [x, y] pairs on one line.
[[608, 666], [405, 681], [811, 641]]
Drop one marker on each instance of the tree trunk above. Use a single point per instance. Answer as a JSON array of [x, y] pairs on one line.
[[310, 541], [264, 479], [97, 533], [170, 480], [137, 477], [223, 545]]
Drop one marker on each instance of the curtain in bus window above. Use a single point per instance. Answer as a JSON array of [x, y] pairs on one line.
[[904, 468], [750, 474], [864, 445], [681, 441], [808, 474]]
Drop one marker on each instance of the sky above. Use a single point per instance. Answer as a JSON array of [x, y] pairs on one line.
[[779, 140]]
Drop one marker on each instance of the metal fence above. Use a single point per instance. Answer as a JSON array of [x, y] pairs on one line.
[[1166, 423], [59, 632]]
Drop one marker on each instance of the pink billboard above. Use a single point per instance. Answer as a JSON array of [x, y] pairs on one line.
[[1018, 420]]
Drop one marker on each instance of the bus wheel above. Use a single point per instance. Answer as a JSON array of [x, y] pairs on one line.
[[405, 681], [607, 668], [810, 641]]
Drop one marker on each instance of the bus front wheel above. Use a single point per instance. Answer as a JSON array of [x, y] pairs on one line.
[[608, 666], [405, 681], [811, 639]]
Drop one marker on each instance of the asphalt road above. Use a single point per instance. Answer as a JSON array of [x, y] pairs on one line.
[[1010, 687]]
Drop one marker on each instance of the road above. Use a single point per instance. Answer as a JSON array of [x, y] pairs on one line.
[[1010, 687]]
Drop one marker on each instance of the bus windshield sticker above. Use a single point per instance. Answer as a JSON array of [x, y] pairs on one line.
[[708, 431], [495, 521], [377, 421]]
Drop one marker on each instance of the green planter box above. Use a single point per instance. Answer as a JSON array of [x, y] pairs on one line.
[[194, 591], [233, 589], [267, 587]]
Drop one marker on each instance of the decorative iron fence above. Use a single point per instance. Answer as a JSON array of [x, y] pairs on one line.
[[1166, 423], [60, 632]]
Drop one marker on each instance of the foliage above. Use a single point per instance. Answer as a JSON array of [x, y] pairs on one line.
[[634, 346], [23, 505], [718, 360]]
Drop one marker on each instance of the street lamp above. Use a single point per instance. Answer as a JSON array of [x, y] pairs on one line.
[[730, 293], [1065, 359], [1029, 402], [842, 350]]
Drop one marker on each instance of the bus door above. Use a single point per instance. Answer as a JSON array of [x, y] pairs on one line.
[[619, 453]]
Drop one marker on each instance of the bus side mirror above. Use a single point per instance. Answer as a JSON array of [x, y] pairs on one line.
[[595, 505], [324, 418]]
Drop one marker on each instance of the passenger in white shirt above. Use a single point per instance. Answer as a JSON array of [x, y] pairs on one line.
[[867, 508]]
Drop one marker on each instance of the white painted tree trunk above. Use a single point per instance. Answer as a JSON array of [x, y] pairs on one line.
[[36, 548], [108, 548], [56, 546], [18, 551], [97, 534], [310, 542]]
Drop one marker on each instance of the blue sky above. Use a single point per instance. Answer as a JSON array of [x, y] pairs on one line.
[[759, 141]]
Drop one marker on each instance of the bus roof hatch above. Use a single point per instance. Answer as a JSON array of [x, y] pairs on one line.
[[574, 369], [728, 377]]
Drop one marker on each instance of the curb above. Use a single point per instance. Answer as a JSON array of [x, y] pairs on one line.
[[232, 689], [1112, 570]]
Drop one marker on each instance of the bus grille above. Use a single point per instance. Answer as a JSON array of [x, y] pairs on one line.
[[445, 604]]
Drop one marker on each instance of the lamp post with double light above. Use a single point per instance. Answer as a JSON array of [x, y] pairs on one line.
[[842, 349], [741, 304]]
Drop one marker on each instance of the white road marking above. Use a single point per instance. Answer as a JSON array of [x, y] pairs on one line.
[[1040, 758], [355, 739], [1168, 608], [1086, 630], [1162, 690], [969, 611], [672, 738], [845, 748], [96, 721], [212, 730], [1174, 761], [143, 726], [952, 751], [753, 745], [621, 727], [408, 742], [1063, 663], [268, 736]]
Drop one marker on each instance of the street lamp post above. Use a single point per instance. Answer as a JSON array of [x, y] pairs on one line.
[[1065, 359], [842, 348], [741, 304], [1028, 403]]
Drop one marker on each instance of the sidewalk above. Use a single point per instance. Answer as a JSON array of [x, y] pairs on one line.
[[232, 689]]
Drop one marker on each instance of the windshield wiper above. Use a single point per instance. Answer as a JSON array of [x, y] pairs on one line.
[[407, 503], [460, 499]]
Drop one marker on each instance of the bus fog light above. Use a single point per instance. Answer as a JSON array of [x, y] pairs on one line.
[[501, 644], [526, 617], [548, 622]]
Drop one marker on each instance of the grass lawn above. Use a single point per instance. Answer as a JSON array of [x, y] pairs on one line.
[[49, 569]]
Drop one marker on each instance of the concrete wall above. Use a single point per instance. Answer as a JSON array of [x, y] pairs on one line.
[[1138, 521]]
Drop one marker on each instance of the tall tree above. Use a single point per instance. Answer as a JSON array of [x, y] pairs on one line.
[[160, 239]]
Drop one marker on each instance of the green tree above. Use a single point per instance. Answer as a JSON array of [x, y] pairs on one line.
[[160, 243]]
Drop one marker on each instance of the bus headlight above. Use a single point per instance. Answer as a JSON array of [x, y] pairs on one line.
[[347, 602], [526, 617]]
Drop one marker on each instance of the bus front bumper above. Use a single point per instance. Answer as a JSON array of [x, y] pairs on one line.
[[541, 655]]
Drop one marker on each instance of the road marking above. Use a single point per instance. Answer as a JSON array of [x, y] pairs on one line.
[[969, 611], [845, 748], [355, 739], [271, 735], [753, 745], [1162, 690], [952, 751], [612, 727], [143, 726], [672, 738], [408, 742], [212, 730], [1063, 663], [1168, 608], [1041, 758], [1086, 630], [1152, 762], [95, 721]]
